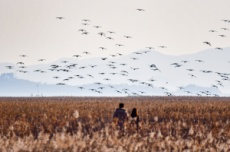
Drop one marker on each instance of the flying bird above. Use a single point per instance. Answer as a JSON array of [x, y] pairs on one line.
[[85, 33], [128, 37], [224, 29], [192, 75], [22, 67], [190, 69], [23, 55], [152, 66], [199, 60], [97, 26], [102, 48], [60, 18], [9, 67], [81, 30], [208, 43], [103, 58], [110, 38], [20, 63], [119, 45], [86, 52], [212, 31], [222, 35], [140, 9], [218, 48], [90, 75], [134, 58], [86, 20], [150, 48], [60, 84], [162, 46], [184, 61], [111, 32], [76, 56], [84, 23], [101, 33]]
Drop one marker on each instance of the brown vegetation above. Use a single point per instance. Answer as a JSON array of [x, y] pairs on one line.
[[85, 124]]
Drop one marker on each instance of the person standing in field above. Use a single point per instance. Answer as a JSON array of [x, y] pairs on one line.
[[135, 119], [120, 116]]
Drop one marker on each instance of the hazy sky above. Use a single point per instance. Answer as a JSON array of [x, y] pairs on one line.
[[30, 27]]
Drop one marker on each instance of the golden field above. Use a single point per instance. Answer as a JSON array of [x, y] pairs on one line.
[[86, 124]]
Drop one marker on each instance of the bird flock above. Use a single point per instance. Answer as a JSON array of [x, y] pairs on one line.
[[111, 69]]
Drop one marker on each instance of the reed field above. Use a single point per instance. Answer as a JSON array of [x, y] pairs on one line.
[[86, 124]]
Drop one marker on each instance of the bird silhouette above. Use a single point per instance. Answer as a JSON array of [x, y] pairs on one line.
[[9, 67], [119, 45], [212, 31], [162, 46], [76, 56], [64, 61], [151, 48], [92, 66], [102, 48], [85, 52], [81, 88], [90, 75], [101, 33], [181, 88], [218, 48], [128, 37], [224, 29], [85, 33], [190, 69], [208, 43], [192, 75], [81, 30], [222, 35], [85, 23], [22, 67], [140, 9], [83, 67], [113, 55], [102, 73], [60, 84], [97, 26], [184, 61], [152, 66], [60, 18], [134, 58], [23, 55], [134, 68], [199, 60], [214, 86], [110, 38], [21, 63], [86, 20], [111, 32], [103, 58]]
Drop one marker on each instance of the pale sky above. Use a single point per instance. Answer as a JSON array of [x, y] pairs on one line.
[[30, 27]]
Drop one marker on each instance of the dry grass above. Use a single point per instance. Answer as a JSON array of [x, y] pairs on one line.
[[85, 124]]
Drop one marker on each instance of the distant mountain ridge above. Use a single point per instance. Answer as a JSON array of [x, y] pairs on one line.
[[144, 72], [12, 86]]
